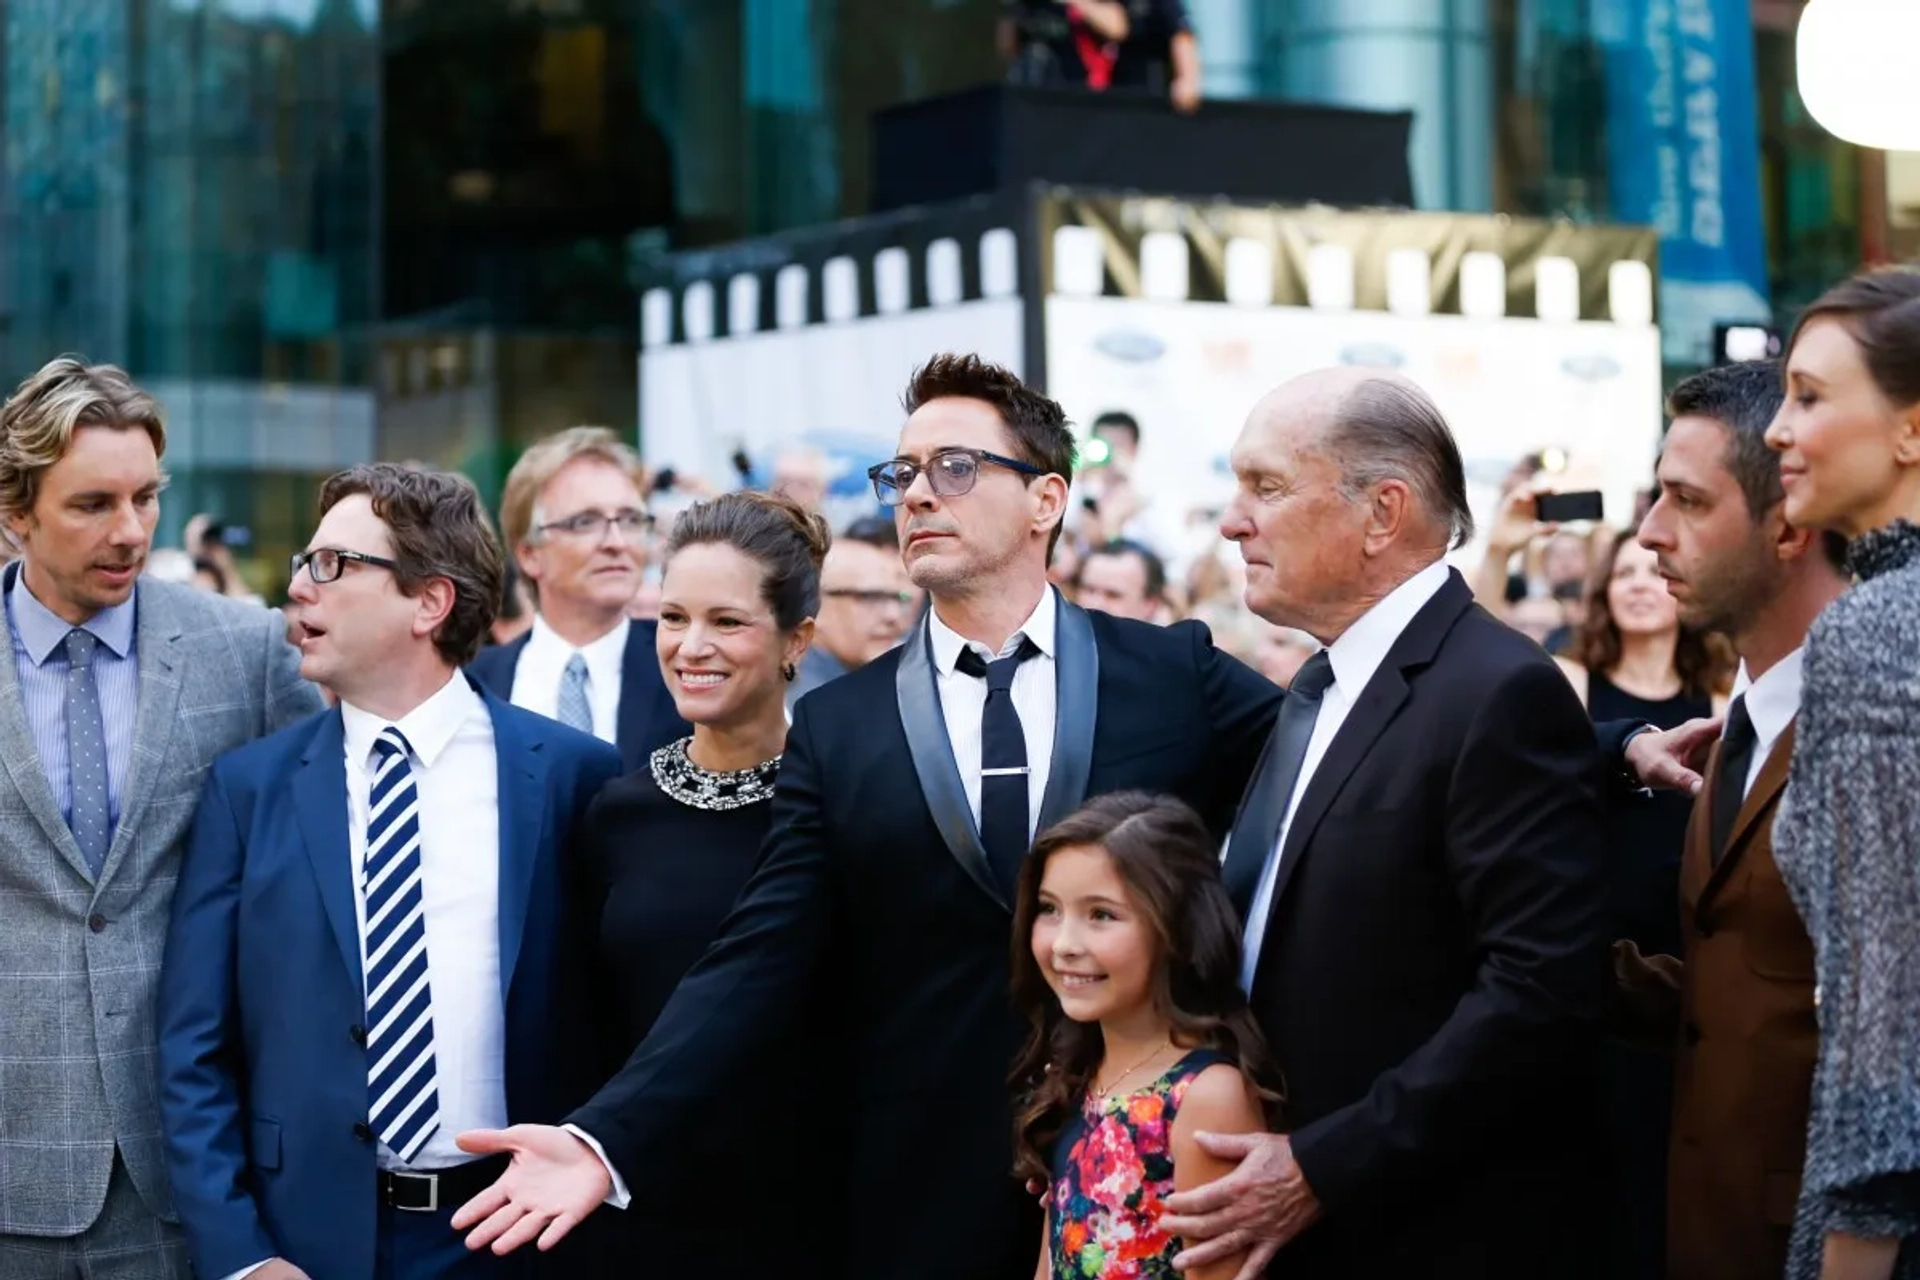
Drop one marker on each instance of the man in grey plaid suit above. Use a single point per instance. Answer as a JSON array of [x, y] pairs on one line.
[[121, 692]]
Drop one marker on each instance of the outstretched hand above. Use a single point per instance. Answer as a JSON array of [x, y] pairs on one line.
[[554, 1181], [1257, 1208], [1673, 759]]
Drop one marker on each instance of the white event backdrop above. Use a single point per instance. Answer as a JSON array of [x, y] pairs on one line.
[[831, 387], [1190, 371]]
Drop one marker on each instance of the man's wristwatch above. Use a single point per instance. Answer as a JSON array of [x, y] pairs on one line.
[[1627, 774]]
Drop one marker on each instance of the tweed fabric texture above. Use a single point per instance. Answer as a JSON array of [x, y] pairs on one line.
[[1848, 845]]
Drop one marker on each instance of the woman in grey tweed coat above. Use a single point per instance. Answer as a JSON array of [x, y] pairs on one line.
[[1848, 836]]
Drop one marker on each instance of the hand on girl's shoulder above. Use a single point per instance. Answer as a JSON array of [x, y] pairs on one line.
[[1218, 1101]]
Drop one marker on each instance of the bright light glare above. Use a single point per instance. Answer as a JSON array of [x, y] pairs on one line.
[[1856, 73]]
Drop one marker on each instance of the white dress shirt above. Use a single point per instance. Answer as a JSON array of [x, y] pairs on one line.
[[963, 700], [536, 679], [1355, 656], [456, 775], [1772, 702]]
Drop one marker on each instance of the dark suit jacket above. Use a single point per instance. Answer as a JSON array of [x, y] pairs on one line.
[[1432, 970], [263, 1083], [874, 890], [648, 718], [1747, 1043]]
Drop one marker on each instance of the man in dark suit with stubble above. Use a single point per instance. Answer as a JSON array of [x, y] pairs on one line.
[[908, 794], [1419, 864]]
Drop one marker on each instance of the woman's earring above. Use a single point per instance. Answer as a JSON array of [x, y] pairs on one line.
[[789, 671]]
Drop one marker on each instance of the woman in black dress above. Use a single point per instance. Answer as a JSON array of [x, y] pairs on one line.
[[668, 849], [1632, 660]]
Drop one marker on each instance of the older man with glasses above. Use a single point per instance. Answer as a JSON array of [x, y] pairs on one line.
[[576, 525]]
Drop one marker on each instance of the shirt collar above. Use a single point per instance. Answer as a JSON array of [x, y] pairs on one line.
[[1774, 699], [43, 631], [1359, 650], [609, 648], [1039, 628], [428, 728]]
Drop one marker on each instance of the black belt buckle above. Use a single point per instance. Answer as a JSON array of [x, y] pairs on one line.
[[412, 1192]]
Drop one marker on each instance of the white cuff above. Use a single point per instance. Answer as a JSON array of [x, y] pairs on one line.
[[247, 1271], [619, 1197]]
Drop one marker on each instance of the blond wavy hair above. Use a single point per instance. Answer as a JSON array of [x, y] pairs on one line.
[[545, 460], [38, 422]]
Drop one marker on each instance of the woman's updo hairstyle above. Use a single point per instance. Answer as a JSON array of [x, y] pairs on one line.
[[786, 540]]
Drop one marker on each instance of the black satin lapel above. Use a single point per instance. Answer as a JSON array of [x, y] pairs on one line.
[[926, 728], [1379, 703], [1076, 668], [1254, 827]]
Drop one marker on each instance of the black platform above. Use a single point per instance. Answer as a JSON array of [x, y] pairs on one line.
[[1000, 136]]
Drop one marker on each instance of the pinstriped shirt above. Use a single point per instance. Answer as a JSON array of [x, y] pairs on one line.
[[40, 658]]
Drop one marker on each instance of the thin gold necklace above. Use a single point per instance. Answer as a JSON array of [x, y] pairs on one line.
[[1107, 1093]]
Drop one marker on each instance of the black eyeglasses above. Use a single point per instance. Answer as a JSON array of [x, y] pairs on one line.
[[326, 564], [950, 473], [593, 524], [871, 599]]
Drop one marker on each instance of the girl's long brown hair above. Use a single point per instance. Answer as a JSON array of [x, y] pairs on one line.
[[1163, 855], [1702, 659]]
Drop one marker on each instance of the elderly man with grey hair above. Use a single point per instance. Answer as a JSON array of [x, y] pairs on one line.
[[1418, 861]]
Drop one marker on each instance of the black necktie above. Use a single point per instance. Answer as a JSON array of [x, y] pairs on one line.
[[1255, 834], [1736, 757], [1003, 763]]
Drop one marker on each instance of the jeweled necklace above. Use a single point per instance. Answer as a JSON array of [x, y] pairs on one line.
[[679, 777]]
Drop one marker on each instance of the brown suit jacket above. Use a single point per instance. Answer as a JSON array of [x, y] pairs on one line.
[[1744, 1062]]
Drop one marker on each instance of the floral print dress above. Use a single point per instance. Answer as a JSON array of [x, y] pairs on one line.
[[1112, 1169]]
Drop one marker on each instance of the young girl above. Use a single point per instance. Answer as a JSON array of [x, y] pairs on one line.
[[1126, 962]]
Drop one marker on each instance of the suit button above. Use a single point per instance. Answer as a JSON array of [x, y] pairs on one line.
[[358, 1034], [1693, 1033], [97, 922], [361, 1131]]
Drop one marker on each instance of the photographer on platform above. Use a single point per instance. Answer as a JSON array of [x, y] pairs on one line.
[[1101, 44], [1062, 42]]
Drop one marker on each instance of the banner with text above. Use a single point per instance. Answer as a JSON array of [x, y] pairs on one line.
[[1683, 135]]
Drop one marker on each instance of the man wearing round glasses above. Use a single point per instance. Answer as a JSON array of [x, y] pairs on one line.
[[574, 520], [908, 795]]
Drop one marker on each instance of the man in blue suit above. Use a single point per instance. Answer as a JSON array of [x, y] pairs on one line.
[[370, 948], [574, 520]]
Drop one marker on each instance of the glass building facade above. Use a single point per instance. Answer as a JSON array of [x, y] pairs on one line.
[[325, 230], [539, 151], [190, 190]]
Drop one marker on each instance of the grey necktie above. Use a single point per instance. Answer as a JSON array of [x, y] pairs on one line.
[[574, 710], [86, 753]]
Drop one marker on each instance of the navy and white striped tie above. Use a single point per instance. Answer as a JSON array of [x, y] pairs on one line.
[[403, 1099]]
